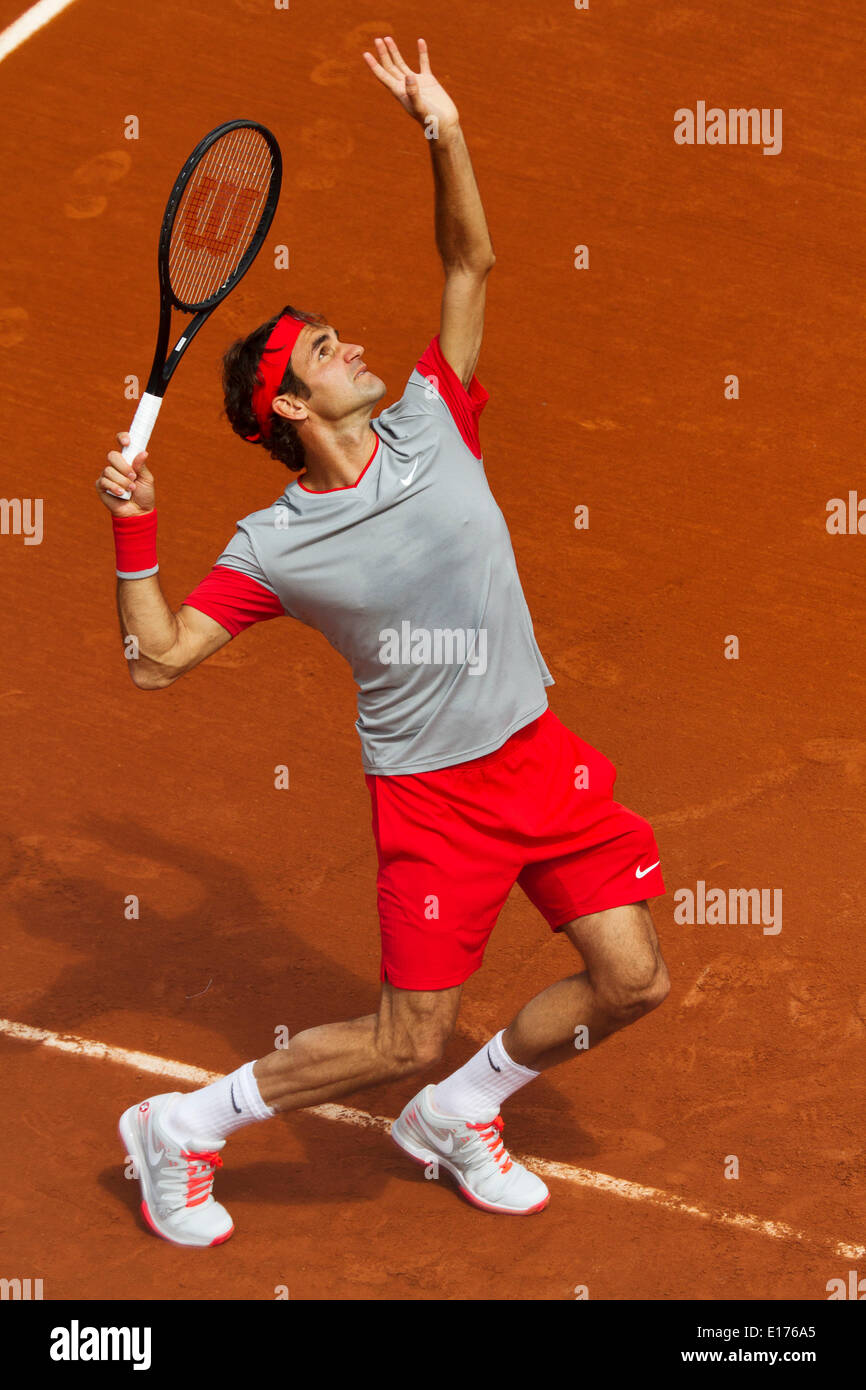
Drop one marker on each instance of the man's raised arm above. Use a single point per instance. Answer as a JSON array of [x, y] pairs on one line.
[[462, 236]]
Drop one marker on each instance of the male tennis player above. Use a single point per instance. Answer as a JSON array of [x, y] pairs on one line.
[[390, 543]]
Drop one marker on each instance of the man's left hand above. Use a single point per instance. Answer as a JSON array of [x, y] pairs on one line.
[[419, 93]]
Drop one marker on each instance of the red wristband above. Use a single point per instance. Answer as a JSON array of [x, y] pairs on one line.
[[135, 545]]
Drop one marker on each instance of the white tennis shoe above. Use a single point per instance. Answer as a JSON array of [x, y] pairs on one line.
[[176, 1179], [475, 1155]]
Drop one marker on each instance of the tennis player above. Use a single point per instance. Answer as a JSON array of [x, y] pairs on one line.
[[389, 542]]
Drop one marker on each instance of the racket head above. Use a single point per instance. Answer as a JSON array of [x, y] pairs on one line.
[[218, 214]]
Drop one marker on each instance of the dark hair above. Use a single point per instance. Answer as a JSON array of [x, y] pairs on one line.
[[240, 367]]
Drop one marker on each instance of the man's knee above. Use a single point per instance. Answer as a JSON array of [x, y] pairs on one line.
[[407, 1053], [657, 991], [630, 996], [414, 1043]]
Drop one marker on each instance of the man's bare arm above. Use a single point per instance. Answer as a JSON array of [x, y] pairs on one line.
[[466, 251], [167, 644], [462, 236]]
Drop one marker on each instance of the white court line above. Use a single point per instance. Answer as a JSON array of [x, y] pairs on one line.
[[344, 1114], [27, 24]]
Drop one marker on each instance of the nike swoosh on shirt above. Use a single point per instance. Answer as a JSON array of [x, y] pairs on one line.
[[407, 481], [642, 873]]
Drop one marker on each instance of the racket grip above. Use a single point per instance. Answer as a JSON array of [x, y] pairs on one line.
[[141, 429]]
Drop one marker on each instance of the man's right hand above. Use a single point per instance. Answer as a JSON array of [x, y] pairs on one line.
[[119, 476]]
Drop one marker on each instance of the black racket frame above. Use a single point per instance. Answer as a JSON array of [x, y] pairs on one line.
[[164, 363]]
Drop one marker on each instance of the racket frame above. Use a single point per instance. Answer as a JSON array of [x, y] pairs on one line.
[[164, 361]]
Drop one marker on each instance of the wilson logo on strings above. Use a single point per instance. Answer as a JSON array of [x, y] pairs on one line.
[[228, 200]]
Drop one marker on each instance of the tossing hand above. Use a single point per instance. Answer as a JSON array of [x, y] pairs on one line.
[[419, 93]]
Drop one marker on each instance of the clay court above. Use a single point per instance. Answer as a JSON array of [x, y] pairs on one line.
[[707, 520]]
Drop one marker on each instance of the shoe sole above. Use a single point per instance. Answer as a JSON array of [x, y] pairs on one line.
[[127, 1131], [426, 1156]]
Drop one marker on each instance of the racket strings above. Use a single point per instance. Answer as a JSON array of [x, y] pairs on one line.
[[218, 215], [213, 231]]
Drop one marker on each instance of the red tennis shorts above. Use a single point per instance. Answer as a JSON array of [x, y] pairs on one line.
[[538, 811]]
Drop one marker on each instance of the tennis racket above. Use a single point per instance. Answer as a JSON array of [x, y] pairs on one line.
[[215, 221]]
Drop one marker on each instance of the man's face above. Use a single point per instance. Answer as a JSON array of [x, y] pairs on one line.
[[335, 372]]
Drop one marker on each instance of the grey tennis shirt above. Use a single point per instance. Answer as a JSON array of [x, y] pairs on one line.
[[411, 576]]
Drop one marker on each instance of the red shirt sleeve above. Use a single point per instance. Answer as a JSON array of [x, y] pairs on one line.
[[234, 600], [465, 406]]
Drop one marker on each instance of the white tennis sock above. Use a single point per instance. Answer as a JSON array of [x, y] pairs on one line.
[[216, 1111], [477, 1089]]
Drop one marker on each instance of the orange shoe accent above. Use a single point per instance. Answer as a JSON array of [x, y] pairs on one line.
[[493, 1139], [198, 1183], [486, 1206], [146, 1214], [217, 1240]]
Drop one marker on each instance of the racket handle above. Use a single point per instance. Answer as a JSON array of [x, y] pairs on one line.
[[141, 429]]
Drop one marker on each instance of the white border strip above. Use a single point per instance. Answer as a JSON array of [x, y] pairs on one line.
[[29, 23], [344, 1114]]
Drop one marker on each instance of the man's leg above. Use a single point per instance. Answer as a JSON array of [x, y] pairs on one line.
[[175, 1140], [407, 1035], [625, 978]]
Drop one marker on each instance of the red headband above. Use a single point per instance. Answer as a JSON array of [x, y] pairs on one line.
[[271, 370]]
